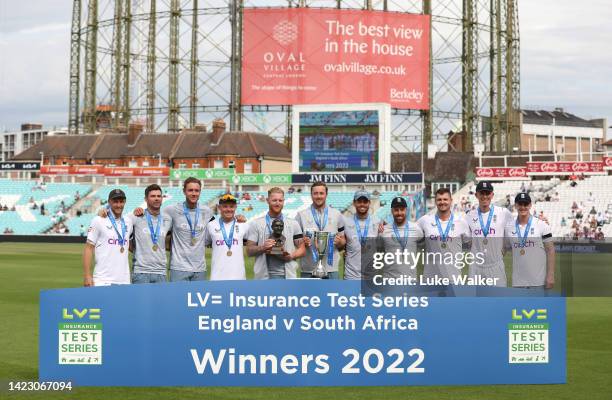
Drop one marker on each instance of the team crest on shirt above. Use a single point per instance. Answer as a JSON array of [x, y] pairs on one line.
[[109, 227]]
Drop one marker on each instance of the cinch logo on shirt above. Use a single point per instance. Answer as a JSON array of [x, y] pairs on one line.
[[436, 237], [222, 242], [479, 231], [528, 243], [118, 242]]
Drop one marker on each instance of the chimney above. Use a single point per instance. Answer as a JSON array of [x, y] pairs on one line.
[[134, 130], [218, 128], [200, 128]]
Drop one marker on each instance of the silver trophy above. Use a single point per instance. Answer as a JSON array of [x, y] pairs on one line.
[[321, 240]]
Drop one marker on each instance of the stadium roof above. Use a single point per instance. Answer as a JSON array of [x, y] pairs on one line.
[[562, 118], [181, 145]]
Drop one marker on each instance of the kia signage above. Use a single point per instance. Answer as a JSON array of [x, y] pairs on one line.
[[505, 173], [566, 168], [19, 166], [316, 56]]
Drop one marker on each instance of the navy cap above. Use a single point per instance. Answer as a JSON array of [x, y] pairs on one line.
[[484, 186], [398, 202], [116, 194], [361, 193], [522, 198]]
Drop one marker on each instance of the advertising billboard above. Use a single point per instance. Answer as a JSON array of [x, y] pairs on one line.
[[505, 173], [325, 56], [341, 138], [566, 168]]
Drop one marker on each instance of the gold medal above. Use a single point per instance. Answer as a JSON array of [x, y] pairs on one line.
[[485, 241], [122, 249], [229, 253], [522, 252], [155, 247], [193, 241], [443, 245]]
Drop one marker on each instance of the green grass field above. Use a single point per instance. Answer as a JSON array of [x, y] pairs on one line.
[[25, 269]]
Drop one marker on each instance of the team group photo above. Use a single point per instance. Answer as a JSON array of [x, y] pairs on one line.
[[305, 199]]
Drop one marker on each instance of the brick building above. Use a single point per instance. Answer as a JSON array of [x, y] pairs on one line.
[[246, 151]]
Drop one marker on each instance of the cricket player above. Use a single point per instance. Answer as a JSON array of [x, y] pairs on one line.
[[108, 239], [360, 232], [150, 231], [533, 250], [260, 241], [319, 217], [401, 236], [445, 236], [188, 220], [487, 225], [226, 235]]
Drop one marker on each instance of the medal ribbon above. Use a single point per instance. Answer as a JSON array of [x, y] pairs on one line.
[[485, 229], [228, 241], [192, 226], [444, 236], [113, 222], [523, 237], [154, 234], [403, 243], [362, 238], [315, 216]]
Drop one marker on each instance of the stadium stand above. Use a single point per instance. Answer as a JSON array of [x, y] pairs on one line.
[[23, 201], [579, 211]]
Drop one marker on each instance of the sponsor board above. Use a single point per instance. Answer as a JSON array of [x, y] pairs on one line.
[[314, 56], [505, 173], [374, 178], [19, 166], [565, 168], [102, 170], [271, 333]]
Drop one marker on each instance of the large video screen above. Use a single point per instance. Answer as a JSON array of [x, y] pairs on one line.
[[339, 141], [332, 140]]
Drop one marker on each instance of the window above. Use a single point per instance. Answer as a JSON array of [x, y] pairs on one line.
[[218, 164], [195, 165], [133, 163], [248, 167], [145, 163], [182, 165]]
